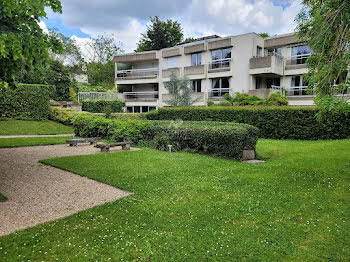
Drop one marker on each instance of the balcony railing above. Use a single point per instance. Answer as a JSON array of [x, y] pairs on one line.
[[297, 61], [217, 93], [137, 74], [298, 91], [219, 65], [141, 96]]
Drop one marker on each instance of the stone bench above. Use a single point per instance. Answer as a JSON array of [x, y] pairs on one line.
[[105, 147], [75, 141]]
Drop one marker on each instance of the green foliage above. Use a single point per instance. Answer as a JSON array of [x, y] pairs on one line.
[[180, 90], [25, 101], [80, 87], [23, 45], [2, 197], [245, 100], [124, 88], [277, 99], [112, 129], [210, 103], [273, 122], [73, 95], [160, 34], [100, 106], [101, 74], [329, 104], [224, 103], [324, 26], [222, 139], [264, 35], [55, 74]]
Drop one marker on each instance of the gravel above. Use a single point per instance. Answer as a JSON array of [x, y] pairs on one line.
[[38, 193]]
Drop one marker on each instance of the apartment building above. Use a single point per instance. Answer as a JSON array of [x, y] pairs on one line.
[[215, 65]]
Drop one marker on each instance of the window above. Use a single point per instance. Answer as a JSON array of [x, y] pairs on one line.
[[172, 62], [277, 50], [258, 83], [139, 109], [298, 86], [220, 86], [272, 82], [197, 85], [259, 52], [196, 59], [221, 54], [300, 54]]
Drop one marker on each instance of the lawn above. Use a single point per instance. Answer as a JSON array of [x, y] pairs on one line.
[[32, 141], [2, 197], [22, 127], [191, 207]]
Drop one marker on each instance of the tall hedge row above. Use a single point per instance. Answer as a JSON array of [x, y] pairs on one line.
[[213, 138], [273, 122], [25, 101], [102, 106]]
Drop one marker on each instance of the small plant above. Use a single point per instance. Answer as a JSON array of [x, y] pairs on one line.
[[210, 103], [73, 95], [277, 99], [224, 103], [108, 111]]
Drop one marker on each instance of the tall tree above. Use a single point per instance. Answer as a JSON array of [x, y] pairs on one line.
[[180, 91], [160, 34], [101, 51], [325, 27], [23, 45]]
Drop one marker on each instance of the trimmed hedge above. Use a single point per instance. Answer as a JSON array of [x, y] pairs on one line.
[[65, 116], [223, 139], [102, 106], [25, 101], [273, 122]]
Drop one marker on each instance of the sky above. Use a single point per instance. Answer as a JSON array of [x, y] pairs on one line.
[[127, 19]]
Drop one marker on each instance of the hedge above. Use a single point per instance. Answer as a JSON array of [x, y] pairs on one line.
[[222, 139], [25, 101], [65, 116], [273, 122], [102, 106]]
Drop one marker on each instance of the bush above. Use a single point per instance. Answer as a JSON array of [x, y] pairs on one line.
[[100, 106], [273, 122], [222, 139], [112, 129], [277, 99], [25, 101], [224, 103]]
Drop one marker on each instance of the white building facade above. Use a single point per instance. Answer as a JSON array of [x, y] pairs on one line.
[[245, 63]]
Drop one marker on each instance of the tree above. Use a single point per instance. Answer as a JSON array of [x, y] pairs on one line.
[[23, 45], [325, 27], [160, 34], [180, 90], [101, 68], [264, 35]]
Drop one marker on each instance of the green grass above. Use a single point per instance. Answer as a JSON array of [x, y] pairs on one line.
[[191, 207], [2, 197], [32, 141], [22, 127]]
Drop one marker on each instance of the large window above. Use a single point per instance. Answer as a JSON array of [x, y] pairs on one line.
[[196, 59], [300, 54], [221, 54], [197, 85], [258, 83], [220, 86], [172, 62]]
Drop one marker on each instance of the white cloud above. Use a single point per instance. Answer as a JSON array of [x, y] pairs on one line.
[[126, 19], [43, 27]]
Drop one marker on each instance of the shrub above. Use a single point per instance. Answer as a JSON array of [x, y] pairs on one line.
[[25, 101], [113, 129], [210, 103], [224, 103], [273, 122], [245, 100], [100, 106], [277, 99], [222, 139]]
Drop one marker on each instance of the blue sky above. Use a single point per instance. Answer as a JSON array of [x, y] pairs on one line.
[[127, 19]]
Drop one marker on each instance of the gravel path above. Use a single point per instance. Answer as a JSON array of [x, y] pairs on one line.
[[18, 136], [38, 193]]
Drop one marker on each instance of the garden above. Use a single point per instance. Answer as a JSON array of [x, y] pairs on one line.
[[201, 203]]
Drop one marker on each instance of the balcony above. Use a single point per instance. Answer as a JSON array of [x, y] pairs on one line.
[[216, 94], [272, 64], [220, 65], [265, 92], [297, 62], [144, 96], [298, 91], [132, 74], [194, 70]]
